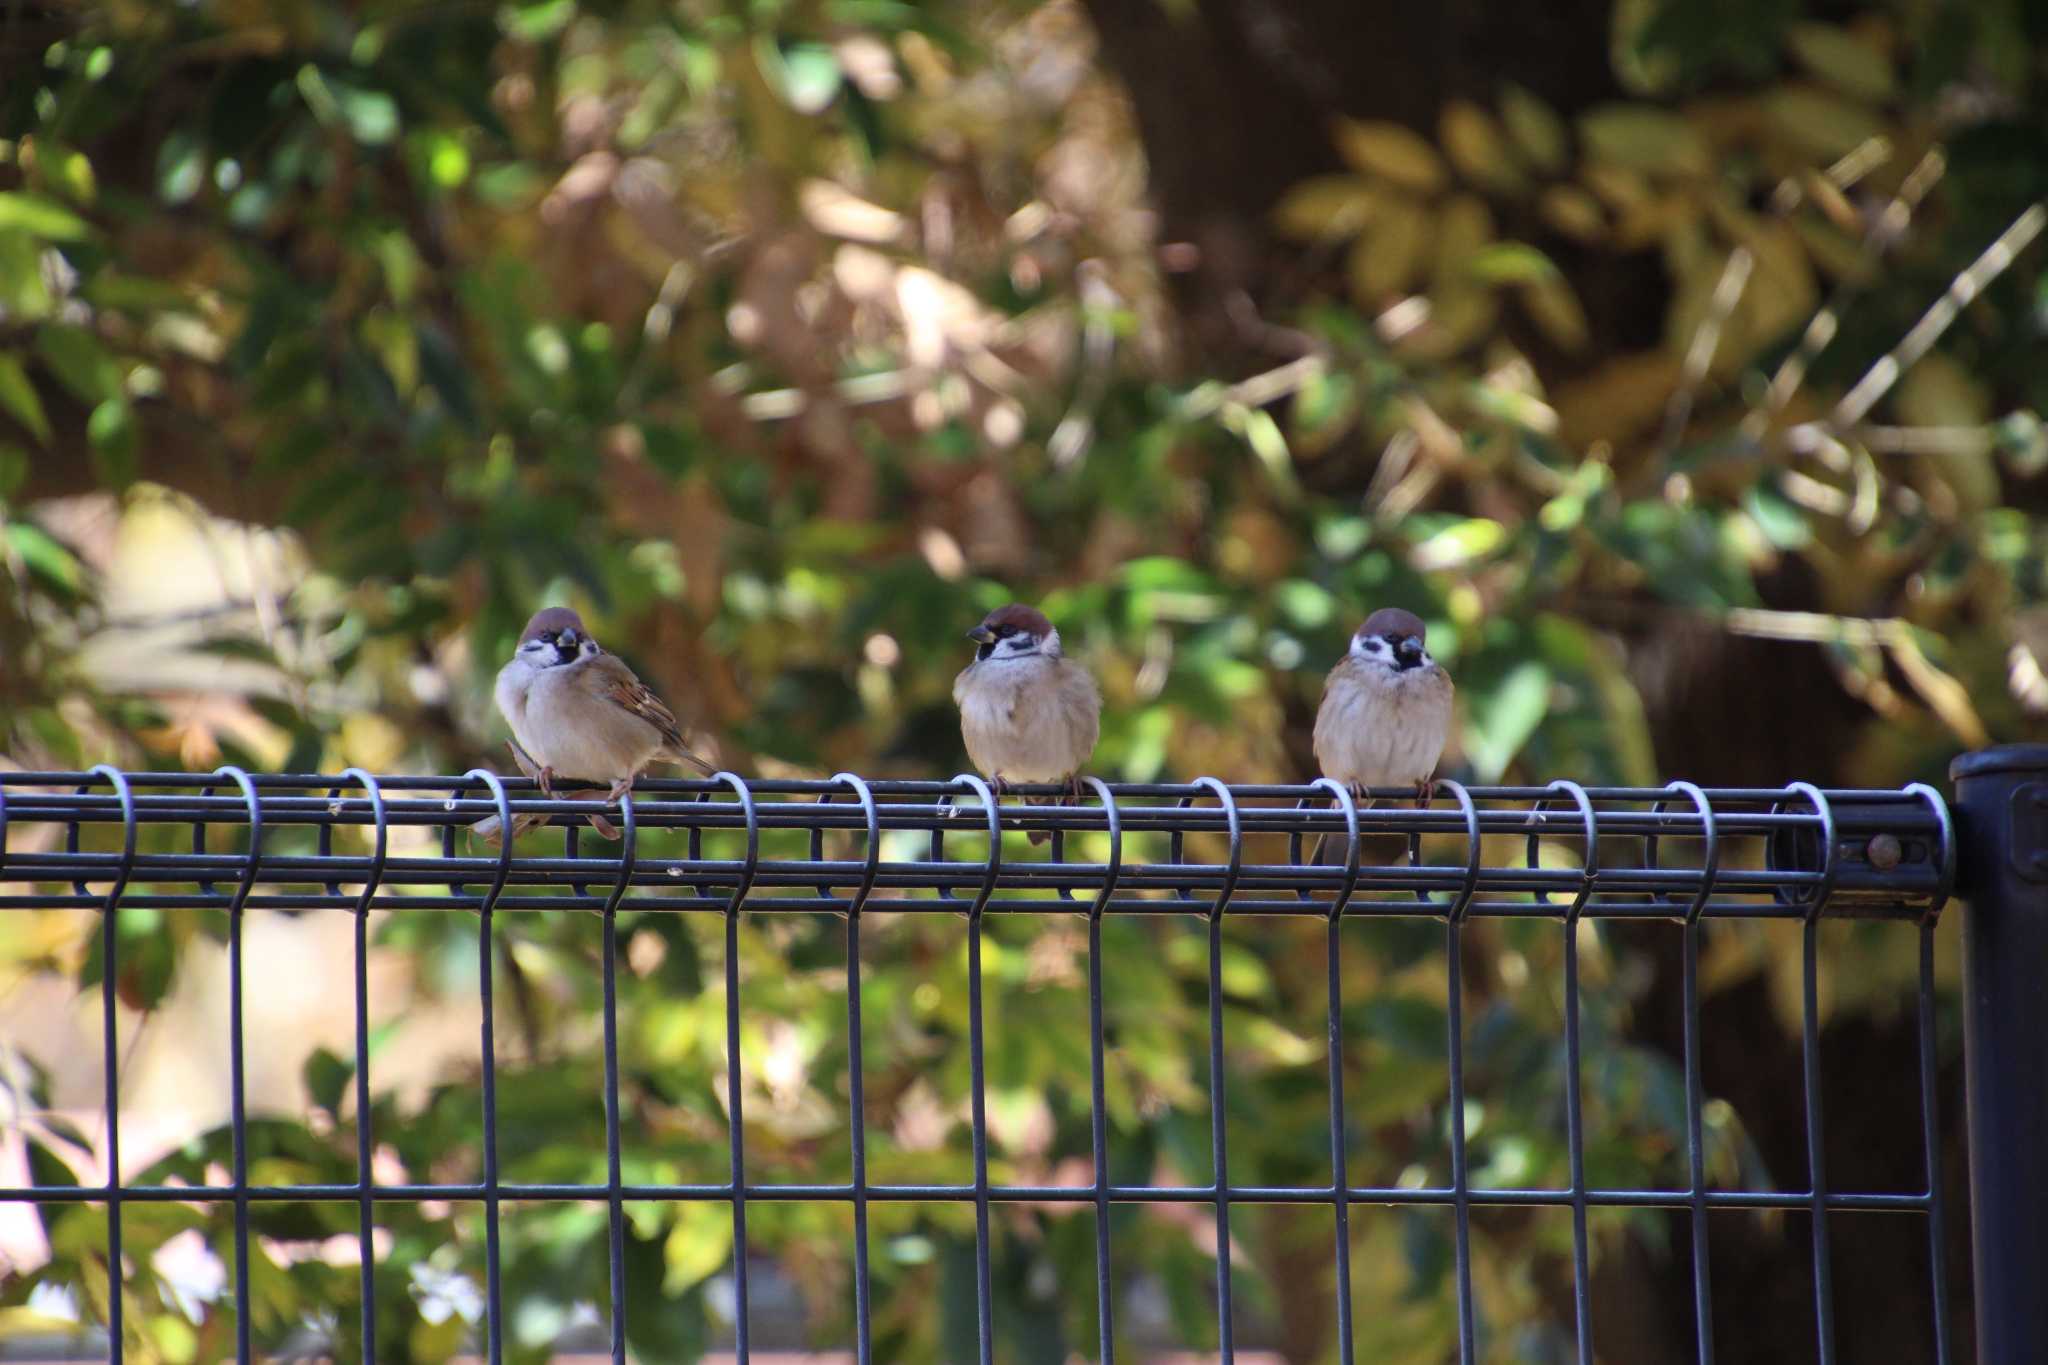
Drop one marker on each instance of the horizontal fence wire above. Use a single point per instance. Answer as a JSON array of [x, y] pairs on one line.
[[1564, 853]]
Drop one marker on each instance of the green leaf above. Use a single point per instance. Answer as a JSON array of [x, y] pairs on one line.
[[538, 21], [13, 468], [39, 217], [46, 557], [19, 397], [1458, 545], [327, 1076], [1505, 718], [372, 115], [78, 360], [1781, 520], [180, 168], [1510, 263], [24, 294], [116, 443], [806, 75], [1269, 443]]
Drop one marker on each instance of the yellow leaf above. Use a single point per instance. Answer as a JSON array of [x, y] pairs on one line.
[[1535, 127], [1621, 189], [1842, 60], [1573, 212], [1621, 398], [1819, 122], [1324, 208], [1478, 148], [1459, 314], [1465, 226], [1642, 137], [1834, 251], [1389, 150], [698, 1245], [1555, 309], [1387, 258], [1939, 392], [1945, 696], [1782, 292], [1655, 220]]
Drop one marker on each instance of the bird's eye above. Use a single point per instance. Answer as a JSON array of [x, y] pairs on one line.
[[1005, 632]]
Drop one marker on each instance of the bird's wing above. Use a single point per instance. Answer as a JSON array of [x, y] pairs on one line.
[[523, 759], [618, 685]]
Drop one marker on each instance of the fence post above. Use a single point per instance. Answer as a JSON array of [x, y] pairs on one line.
[[2002, 818]]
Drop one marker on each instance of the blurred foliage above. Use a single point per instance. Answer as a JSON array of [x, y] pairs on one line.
[[785, 339]]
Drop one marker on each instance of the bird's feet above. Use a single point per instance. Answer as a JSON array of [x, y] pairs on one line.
[[1425, 790]]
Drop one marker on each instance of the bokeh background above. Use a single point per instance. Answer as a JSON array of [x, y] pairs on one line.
[[1678, 360]]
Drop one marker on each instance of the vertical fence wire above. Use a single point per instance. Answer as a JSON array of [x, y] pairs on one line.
[[1689, 1005], [486, 963], [238, 1099], [1340, 1179], [1454, 991], [366, 1215], [614, 1195], [1930, 1074], [855, 1069], [736, 1129], [1098, 1131], [110, 1057], [1575, 1139], [1813, 902]]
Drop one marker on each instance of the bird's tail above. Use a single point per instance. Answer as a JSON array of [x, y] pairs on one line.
[[489, 830], [1040, 836], [690, 758], [1374, 850]]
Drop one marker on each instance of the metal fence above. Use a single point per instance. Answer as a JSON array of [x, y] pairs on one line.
[[1677, 854]]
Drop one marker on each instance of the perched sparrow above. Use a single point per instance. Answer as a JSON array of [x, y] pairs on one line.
[[579, 712], [1386, 709], [1027, 712]]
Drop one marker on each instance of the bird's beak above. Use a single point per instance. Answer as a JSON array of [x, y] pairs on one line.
[[1410, 648], [982, 635]]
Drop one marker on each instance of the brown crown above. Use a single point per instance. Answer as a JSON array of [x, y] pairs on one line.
[[1030, 620], [1393, 621], [556, 619]]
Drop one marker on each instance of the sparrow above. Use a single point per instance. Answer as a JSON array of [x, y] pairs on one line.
[[1027, 711], [1386, 710], [578, 712]]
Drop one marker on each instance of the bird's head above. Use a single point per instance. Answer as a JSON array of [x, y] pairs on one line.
[[1393, 639], [1015, 632], [555, 636]]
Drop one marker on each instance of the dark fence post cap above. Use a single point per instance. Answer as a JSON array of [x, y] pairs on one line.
[[2004, 758]]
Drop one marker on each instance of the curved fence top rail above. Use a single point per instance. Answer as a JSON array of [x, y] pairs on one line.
[[304, 841]]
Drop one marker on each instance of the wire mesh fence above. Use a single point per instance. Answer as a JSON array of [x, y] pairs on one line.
[[1208, 854]]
